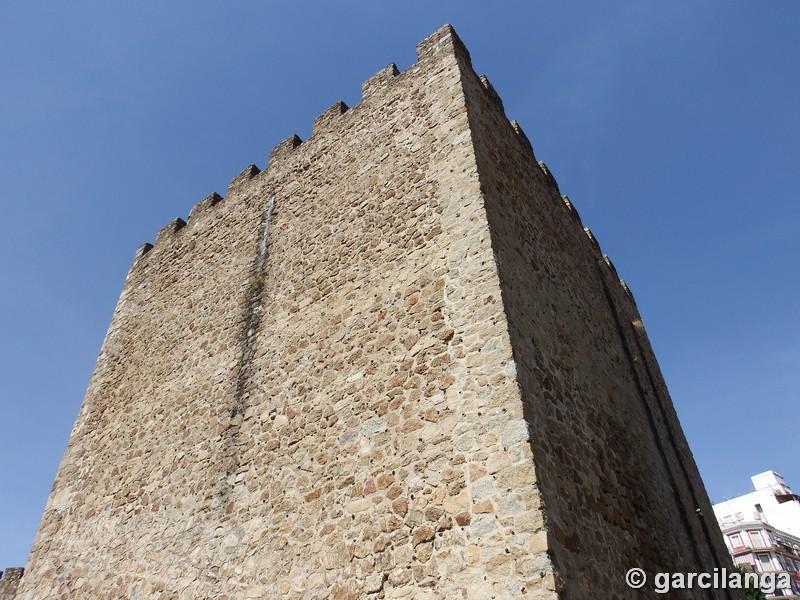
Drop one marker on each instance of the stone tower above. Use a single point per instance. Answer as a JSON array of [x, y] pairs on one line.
[[391, 364]]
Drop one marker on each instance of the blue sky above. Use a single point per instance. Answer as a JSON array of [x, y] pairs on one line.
[[674, 127]]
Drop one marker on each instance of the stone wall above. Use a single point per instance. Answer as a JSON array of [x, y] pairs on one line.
[[9, 581], [343, 380], [619, 486]]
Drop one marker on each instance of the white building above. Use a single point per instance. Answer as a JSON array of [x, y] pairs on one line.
[[762, 528], [772, 502]]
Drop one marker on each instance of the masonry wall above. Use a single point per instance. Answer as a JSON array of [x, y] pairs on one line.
[[308, 390], [619, 485], [368, 372], [9, 581]]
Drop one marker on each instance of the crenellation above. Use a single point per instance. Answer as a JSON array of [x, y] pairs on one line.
[[572, 211], [492, 93], [375, 84], [282, 149], [599, 452], [142, 250], [626, 287], [611, 267], [522, 137], [328, 118], [628, 295], [446, 41], [593, 240], [243, 177], [166, 234], [211, 200], [549, 175], [138, 259], [168, 231], [629, 302]]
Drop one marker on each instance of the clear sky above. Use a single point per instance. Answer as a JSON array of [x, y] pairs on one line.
[[674, 127]]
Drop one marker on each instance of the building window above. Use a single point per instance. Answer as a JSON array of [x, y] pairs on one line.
[[756, 541], [765, 562], [735, 540]]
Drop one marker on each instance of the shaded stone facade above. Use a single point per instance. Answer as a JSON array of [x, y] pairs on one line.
[[9, 582], [391, 364]]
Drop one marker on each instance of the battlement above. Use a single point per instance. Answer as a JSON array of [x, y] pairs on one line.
[[283, 149], [443, 42], [522, 137], [495, 97], [205, 204], [9, 582], [549, 175], [445, 39], [327, 119], [375, 84], [592, 239]]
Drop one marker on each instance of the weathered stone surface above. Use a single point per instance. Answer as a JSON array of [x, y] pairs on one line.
[[422, 534], [390, 364], [9, 582]]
